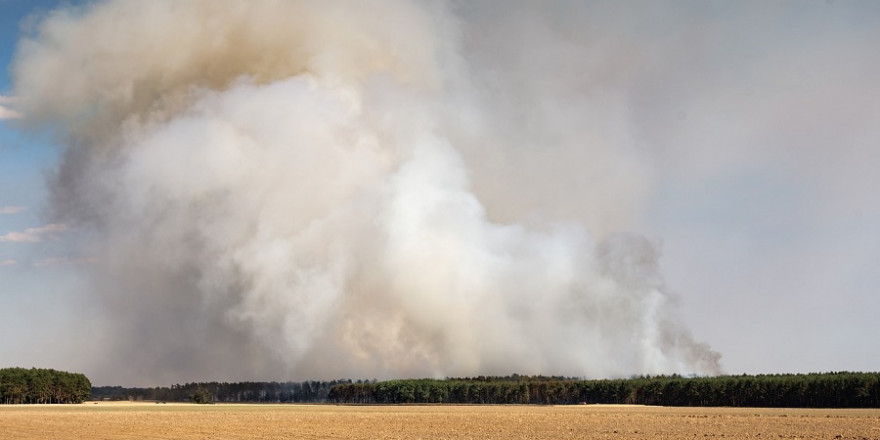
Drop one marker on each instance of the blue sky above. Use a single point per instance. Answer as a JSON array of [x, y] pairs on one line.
[[23, 158], [760, 125], [33, 285]]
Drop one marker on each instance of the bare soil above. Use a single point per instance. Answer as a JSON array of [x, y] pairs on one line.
[[106, 420]]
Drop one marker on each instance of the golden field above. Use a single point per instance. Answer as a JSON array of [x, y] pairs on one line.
[[106, 420]]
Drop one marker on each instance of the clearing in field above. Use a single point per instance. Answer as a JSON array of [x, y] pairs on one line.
[[186, 421]]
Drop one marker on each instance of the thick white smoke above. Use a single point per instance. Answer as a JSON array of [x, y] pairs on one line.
[[298, 189]]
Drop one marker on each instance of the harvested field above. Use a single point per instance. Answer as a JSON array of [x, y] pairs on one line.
[[185, 421]]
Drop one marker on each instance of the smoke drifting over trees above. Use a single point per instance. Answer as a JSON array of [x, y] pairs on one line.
[[295, 189]]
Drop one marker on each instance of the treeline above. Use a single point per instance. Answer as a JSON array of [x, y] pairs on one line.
[[37, 385], [202, 392], [818, 390]]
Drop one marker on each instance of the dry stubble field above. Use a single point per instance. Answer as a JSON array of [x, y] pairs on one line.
[[185, 421]]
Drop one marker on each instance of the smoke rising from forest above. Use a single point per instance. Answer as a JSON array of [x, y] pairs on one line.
[[298, 189]]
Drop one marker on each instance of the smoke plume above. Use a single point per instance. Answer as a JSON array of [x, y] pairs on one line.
[[314, 189]]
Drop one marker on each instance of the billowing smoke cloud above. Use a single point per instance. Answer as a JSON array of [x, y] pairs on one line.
[[296, 189]]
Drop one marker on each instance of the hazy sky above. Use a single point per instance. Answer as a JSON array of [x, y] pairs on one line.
[[740, 138]]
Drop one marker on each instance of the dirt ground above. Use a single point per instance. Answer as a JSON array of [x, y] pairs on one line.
[[107, 420]]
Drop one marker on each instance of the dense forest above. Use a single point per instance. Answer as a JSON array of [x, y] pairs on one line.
[[825, 390], [36, 385], [819, 390], [204, 392]]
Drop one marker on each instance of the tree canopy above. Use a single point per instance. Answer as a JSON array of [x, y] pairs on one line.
[[37, 385], [828, 390]]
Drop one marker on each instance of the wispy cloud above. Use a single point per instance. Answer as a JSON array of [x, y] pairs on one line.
[[33, 235], [8, 262], [62, 261], [12, 209], [6, 112]]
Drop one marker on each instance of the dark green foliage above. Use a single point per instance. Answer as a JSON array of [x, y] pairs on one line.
[[201, 395], [828, 390], [255, 392], [37, 385], [825, 390]]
